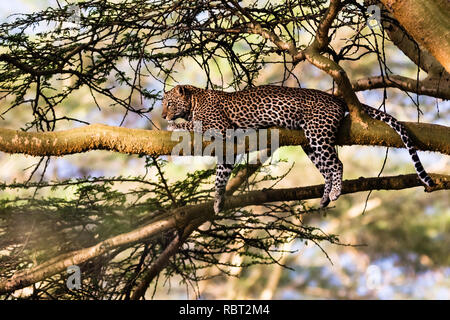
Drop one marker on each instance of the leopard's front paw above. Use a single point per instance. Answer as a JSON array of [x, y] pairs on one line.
[[171, 125]]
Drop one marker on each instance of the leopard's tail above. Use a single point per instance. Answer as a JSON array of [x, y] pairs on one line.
[[401, 130]]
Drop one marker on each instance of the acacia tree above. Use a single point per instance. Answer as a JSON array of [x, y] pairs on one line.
[[114, 50]]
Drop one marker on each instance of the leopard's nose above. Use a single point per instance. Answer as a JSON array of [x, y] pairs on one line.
[[164, 114]]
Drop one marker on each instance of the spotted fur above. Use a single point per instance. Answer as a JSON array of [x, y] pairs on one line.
[[318, 113]]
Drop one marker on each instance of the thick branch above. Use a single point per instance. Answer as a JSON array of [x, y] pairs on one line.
[[414, 51], [322, 40], [432, 88], [427, 137], [180, 217], [428, 22], [437, 82]]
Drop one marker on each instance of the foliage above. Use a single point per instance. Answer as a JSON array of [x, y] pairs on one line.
[[105, 45], [33, 230]]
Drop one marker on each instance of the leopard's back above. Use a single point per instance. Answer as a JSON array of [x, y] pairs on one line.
[[291, 108]]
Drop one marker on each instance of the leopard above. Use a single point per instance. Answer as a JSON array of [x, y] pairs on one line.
[[318, 113]]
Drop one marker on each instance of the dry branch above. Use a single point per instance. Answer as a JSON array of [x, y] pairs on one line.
[[432, 88]]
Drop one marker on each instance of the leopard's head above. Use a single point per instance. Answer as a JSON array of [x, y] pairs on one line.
[[177, 103]]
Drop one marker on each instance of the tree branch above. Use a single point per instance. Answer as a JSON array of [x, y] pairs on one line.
[[314, 56], [180, 217], [427, 86], [413, 50], [322, 40], [437, 77], [427, 137], [428, 22], [296, 54], [162, 261]]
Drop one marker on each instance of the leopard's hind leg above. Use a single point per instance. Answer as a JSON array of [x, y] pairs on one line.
[[330, 160], [325, 173], [323, 154], [223, 172]]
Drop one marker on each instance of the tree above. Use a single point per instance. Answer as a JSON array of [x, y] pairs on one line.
[[124, 240]]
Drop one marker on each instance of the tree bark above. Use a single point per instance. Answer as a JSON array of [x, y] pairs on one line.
[[428, 22], [438, 88], [427, 137]]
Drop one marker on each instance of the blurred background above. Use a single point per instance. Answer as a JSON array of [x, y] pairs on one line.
[[401, 240]]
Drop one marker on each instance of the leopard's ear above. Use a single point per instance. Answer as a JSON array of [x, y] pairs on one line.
[[182, 90]]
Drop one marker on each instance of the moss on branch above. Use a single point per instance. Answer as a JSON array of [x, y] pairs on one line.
[[427, 137]]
